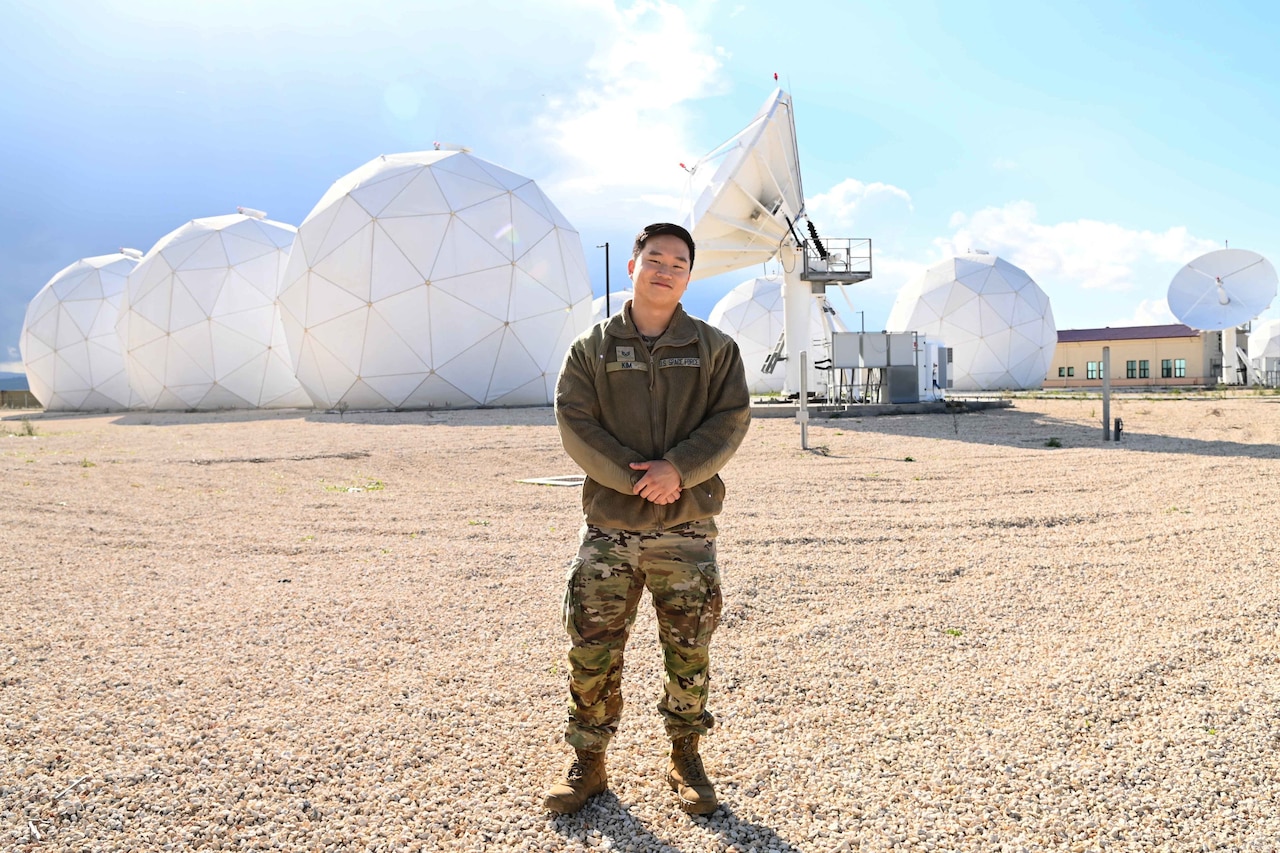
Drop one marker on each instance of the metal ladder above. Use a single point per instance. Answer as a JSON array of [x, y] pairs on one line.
[[771, 360]]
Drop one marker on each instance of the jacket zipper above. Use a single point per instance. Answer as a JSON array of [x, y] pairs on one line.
[[658, 513]]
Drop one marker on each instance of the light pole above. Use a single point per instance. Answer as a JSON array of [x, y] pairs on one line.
[[608, 311]]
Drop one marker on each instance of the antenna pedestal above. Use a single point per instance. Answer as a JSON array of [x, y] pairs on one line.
[[797, 303]]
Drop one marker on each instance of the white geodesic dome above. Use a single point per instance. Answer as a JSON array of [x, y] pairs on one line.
[[199, 324], [751, 314], [617, 299], [996, 320], [1264, 341], [433, 278], [69, 345]]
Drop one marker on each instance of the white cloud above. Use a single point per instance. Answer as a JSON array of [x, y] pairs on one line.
[[12, 367], [851, 206], [622, 134], [1085, 253], [1150, 312], [854, 208], [1097, 273], [1004, 164]]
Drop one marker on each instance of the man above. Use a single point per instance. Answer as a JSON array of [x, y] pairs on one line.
[[651, 403]]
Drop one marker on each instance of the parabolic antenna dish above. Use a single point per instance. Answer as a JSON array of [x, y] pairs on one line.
[[1222, 289], [740, 196]]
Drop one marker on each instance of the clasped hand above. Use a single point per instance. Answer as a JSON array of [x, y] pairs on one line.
[[660, 483]]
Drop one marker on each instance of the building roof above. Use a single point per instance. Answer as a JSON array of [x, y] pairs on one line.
[[1126, 333]]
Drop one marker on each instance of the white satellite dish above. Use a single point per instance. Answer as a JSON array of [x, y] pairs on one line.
[[1219, 291], [743, 192], [1222, 289], [743, 206]]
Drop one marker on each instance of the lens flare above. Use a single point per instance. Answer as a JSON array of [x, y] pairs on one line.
[[507, 232]]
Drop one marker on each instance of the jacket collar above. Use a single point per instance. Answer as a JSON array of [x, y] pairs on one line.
[[680, 330]]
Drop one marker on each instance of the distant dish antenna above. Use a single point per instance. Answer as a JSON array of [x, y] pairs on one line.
[[743, 203], [1219, 291], [1222, 289], [251, 213], [449, 146]]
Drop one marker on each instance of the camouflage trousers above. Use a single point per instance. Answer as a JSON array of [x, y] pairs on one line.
[[606, 580]]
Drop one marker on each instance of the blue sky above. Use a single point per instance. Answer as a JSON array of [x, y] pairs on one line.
[[1097, 145]]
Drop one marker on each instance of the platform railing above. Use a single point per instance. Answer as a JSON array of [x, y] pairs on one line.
[[847, 260]]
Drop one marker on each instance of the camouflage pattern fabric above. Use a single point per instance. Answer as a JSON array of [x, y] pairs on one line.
[[606, 580]]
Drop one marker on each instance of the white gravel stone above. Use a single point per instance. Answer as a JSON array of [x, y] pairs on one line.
[[301, 631]]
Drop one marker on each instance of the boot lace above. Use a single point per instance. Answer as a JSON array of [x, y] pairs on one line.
[[577, 768], [691, 764]]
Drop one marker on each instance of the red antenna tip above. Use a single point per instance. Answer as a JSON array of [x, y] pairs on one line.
[[775, 75]]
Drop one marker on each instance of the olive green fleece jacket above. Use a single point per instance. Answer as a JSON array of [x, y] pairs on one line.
[[617, 402]]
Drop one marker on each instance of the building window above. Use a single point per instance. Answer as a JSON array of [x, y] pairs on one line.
[[1144, 369], [1180, 368], [1166, 368], [1071, 371], [1091, 370], [1131, 370], [1062, 371]]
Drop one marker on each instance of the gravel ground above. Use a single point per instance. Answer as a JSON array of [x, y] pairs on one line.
[[300, 631]]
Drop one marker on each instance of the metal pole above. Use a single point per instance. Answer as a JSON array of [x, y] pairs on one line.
[[802, 413], [1106, 393], [608, 310]]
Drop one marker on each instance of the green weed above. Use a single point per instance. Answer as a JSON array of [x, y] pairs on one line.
[[25, 429]]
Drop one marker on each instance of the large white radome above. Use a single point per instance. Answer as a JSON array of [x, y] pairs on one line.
[[1264, 341], [69, 344], [199, 324], [751, 314], [433, 278], [996, 320], [617, 299]]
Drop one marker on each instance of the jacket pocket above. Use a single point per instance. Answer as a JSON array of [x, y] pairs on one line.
[[707, 498]]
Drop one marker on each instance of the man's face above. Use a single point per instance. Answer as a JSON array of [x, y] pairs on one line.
[[660, 273]]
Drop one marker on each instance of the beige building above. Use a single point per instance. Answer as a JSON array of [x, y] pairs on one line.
[[1141, 356]]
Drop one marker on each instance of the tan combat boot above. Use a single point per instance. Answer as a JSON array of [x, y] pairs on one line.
[[583, 778], [688, 778]]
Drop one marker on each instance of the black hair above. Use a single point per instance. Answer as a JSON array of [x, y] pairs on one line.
[[660, 228]]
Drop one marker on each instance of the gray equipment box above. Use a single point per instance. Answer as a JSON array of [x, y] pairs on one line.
[[901, 385], [872, 349]]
